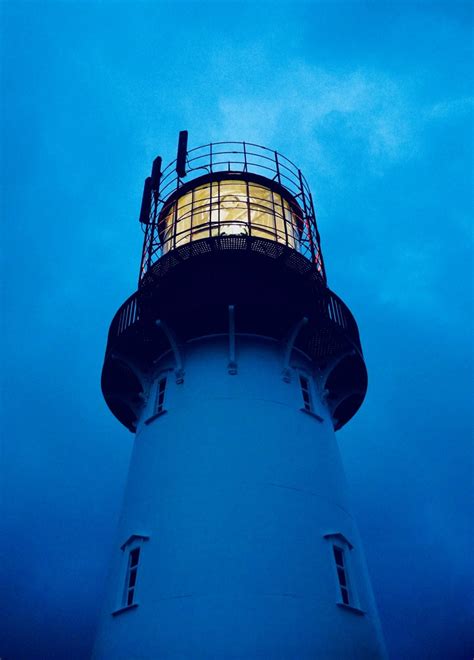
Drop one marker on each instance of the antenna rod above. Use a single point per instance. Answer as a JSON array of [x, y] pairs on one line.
[[182, 153], [156, 177], [146, 202]]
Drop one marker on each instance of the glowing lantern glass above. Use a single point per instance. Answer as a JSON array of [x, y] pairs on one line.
[[229, 208]]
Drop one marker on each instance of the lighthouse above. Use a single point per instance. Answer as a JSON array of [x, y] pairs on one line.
[[233, 364]]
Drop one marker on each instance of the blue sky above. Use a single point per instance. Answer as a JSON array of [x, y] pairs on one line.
[[374, 101]]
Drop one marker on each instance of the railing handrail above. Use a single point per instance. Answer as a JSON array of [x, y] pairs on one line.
[[169, 175], [331, 307], [245, 158], [172, 164]]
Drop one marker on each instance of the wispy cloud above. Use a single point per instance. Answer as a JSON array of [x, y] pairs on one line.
[[364, 116], [352, 129]]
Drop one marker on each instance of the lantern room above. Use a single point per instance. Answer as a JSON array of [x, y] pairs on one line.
[[230, 207], [227, 189]]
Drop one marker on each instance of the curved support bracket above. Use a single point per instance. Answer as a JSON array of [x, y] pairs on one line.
[[232, 366], [323, 374], [335, 402], [170, 336], [141, 378], [290, 343], [340, 399]]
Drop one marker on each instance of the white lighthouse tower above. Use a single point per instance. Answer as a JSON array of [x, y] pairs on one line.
[[234, 364]]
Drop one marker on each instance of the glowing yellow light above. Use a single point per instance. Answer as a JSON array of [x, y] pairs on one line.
[[229, 208]]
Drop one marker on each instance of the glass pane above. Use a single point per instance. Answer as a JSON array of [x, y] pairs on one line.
[[134, 557], [184, 218], [290, 223], [338, 555], [184, 206], [342, 577], [262, 215], [201, 198], [345, 595], [280, 224], [261, 198], [166, 230], [233, 205], [132, 577], [306, 393], [238, 188], [229, 208], [201, 212], [160, 395]]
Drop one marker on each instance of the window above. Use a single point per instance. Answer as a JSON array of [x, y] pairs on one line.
[[306, 392], [159, 402], [308, 407], [131, 578], [127, 587], [341, 573], [341, 556], [160, 396], [230, 208]]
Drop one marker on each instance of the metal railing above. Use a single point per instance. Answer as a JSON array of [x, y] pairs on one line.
[[332, 310], [241, 158]]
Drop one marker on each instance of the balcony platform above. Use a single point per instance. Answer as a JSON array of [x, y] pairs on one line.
[[271, 286]]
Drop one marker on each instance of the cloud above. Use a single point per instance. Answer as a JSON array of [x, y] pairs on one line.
[[363, 116], [450, 108], [355, 129]]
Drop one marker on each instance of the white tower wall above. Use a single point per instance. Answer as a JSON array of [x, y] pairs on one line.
[[235, 498]]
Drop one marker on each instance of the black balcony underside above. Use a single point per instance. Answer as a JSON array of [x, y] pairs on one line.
[[272, 288]]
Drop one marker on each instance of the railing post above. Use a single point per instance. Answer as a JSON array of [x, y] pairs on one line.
[[144, 255], [152, 236], [277, 167], [209, 223], [249, 214], [306, 221], [318, 238], [302, 235], [218, 208], [175, 221]]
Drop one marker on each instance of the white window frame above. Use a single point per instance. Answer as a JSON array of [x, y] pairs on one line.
[[129, 588], [158, 398], [306, 387], [337, 541], [159, 404], [132, 548], [342, 572]]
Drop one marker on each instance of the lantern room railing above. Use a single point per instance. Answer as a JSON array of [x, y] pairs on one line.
[[331, 310], [230, 188]]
